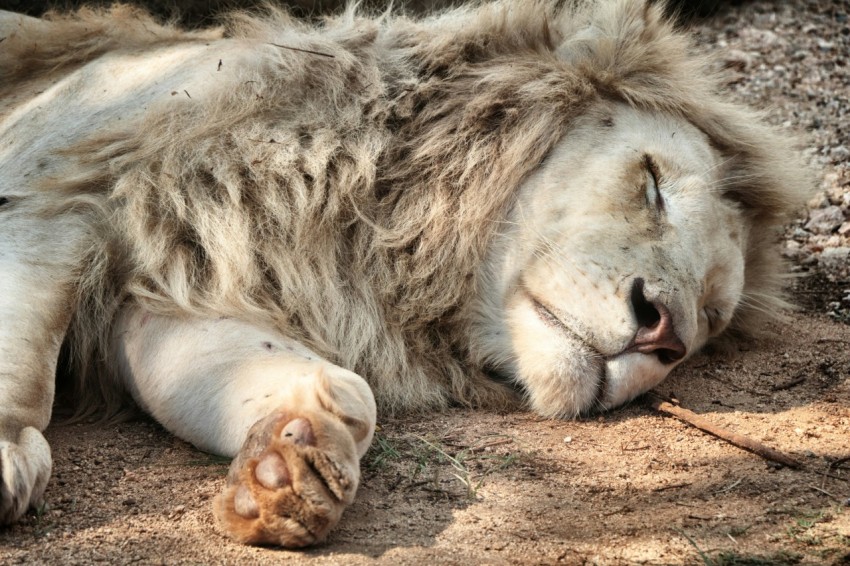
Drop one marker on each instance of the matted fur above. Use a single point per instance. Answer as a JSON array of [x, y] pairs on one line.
[[348, 198]]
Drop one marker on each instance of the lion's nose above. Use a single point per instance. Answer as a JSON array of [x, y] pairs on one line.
[[655, 333]]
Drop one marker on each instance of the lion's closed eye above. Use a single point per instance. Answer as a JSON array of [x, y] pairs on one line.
[[654, 199]]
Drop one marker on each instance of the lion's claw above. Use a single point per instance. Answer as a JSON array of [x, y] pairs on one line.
[[290, 482], [24, 470]]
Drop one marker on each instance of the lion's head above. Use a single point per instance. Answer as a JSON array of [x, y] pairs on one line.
[[621, 258], [645, 227]]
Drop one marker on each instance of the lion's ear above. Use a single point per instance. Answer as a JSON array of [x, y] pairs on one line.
[[601, 32]]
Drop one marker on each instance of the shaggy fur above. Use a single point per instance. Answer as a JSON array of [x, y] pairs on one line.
[[555, 193], [347, 197]]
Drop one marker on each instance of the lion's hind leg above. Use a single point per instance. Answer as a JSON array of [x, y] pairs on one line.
[[296, 424]]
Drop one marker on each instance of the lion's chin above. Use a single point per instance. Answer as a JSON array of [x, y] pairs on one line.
[[629, 375]]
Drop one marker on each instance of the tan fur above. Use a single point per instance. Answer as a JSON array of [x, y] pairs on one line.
[[349, 200], [34, 48], [412, 204]]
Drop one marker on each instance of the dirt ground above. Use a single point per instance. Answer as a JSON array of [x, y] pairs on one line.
[[464, 487], [481, 488]]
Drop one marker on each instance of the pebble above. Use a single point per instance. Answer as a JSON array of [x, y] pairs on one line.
[[737, 59], [839, 255], [820, 200], [825, 220], [762, 36], [839, 153]]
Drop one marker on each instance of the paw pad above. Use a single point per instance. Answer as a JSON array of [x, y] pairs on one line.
[[298, 431], [271, 472], [290, 482], [244, 504]]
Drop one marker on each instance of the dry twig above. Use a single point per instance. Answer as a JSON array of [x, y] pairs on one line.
[[825, 492], [491, 445], [789, 384], [671, 486], [661, 405]]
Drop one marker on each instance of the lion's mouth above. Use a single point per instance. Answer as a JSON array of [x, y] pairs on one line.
[[546, 314], [552, 320]]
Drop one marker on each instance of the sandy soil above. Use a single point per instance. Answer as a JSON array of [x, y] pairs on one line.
[[472, 487]]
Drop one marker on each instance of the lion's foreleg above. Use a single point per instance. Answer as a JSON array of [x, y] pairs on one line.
[[38, 262], [296, 424]]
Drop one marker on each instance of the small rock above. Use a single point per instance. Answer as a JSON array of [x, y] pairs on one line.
[[825, 220], [737, 59], [839, 153], [830, 180], [820, 200], [795, 251], [837, 254], [761, 37], [568, 439], [835, 257], [800, 234]]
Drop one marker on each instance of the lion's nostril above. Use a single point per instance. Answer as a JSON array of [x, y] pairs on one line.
[[655, 333], [645, 312]]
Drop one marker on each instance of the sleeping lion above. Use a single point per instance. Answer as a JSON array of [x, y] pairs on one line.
[[266, 233]]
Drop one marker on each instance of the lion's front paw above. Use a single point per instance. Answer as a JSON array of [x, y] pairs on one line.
[[290, 482], [24, 470]]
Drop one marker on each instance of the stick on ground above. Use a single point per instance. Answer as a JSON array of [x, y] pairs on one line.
[[661, 405]]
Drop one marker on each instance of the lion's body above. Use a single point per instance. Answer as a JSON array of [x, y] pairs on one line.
[[354, 196]]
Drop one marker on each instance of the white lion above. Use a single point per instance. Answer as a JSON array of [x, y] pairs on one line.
[[259, 232]]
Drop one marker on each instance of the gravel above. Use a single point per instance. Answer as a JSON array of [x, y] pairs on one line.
[[793, 61]]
